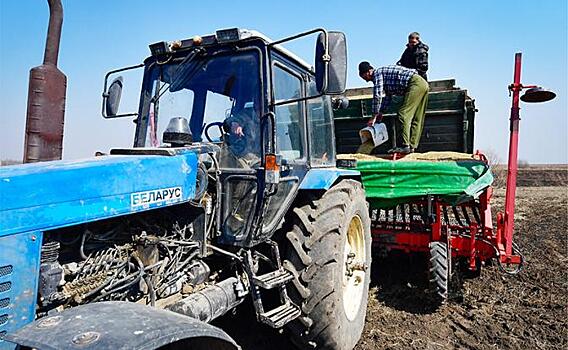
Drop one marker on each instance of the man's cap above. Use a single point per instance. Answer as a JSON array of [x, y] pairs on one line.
[[364, 67], [413, 34]]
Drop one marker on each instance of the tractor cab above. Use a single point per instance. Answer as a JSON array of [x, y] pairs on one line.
[[269, 113]]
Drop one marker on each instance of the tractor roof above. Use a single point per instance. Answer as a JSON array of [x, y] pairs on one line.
[[221, 37]]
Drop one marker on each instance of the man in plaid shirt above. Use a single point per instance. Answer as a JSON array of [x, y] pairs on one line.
[[397, 80]]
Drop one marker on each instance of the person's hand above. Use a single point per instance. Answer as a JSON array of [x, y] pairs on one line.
[[237, 129], [371, 121], [376, 118]]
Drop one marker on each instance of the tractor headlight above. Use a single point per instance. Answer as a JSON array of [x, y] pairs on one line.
[[160, 48], [228, 35]]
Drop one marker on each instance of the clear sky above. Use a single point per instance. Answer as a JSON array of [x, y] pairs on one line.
[[471, 41]]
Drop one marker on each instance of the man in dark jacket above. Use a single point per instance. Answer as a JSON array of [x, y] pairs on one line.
[[416, 55]]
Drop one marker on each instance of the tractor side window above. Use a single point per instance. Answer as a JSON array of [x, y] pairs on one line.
[[320, 128], [288, 116]]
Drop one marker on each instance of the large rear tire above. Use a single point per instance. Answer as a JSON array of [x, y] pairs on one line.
[[327, 247]]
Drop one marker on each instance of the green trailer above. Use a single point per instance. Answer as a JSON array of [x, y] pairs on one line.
[[449, 123]]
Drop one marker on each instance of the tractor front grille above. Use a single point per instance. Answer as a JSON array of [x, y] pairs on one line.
[[5, 289], [19, 272]]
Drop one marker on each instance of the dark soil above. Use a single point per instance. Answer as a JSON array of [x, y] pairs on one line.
[[492, 311]]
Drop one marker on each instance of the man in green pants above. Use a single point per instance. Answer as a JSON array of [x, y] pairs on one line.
[[401, 81]]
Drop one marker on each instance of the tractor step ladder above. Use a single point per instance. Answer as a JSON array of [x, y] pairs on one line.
[[278, 317], [277, 279], [273, 279]]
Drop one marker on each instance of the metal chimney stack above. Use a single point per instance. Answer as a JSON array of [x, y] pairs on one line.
[[46, 97]]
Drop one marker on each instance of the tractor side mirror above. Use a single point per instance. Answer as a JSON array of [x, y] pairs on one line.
[[113, 97], [331, 64]]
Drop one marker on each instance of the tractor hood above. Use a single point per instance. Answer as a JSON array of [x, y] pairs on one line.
[[50, 195]]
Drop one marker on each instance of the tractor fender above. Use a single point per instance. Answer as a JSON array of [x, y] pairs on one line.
[[324, 178], [119, 325]]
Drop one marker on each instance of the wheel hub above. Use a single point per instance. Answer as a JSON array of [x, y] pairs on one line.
[[355, 268]]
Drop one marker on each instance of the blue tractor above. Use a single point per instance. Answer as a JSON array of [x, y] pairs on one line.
[[230, 193]]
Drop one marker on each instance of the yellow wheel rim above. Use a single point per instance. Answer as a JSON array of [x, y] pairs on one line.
[[354, 268]]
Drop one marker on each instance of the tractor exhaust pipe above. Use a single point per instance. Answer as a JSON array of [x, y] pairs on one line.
[[51, 53], [46, 97], [211, 302]]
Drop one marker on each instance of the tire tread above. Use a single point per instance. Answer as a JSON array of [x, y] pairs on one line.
[[313, 232]]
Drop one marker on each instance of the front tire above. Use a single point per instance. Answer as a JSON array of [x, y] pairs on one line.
[[327, 247]]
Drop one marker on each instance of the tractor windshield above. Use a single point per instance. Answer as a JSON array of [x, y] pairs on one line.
[[205, 90]]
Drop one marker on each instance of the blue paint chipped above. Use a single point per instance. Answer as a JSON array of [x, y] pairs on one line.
[[55, 194]]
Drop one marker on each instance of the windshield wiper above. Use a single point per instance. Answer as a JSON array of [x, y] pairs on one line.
[[181, 73]]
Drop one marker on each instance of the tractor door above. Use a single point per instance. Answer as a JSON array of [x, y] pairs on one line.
[[288, 83], [321, 136]]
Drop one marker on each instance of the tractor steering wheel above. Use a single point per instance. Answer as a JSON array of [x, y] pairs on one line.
[[217, 124]]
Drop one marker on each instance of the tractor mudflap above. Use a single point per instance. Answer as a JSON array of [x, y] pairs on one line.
[[120, 325]]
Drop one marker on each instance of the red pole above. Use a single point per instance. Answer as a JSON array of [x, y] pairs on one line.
[[513, 155]]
